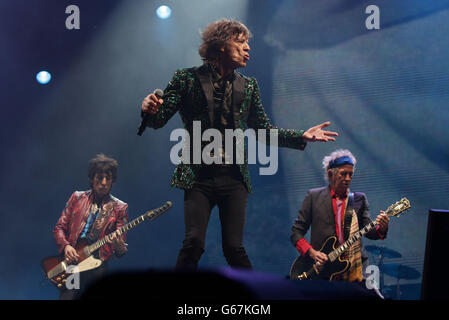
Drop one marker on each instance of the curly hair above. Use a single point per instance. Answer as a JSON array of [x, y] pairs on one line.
[[335, 155], [216, 34], [102, 164]]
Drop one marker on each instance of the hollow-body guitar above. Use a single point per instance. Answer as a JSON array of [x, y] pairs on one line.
[[304, 268]]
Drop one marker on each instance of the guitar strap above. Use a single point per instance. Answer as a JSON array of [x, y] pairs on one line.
[[347, 218], [354, 256]]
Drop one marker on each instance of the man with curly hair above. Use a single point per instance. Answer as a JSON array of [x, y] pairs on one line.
[[89, 216], [220, 98]]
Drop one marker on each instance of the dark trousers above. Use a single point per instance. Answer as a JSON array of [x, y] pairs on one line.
[[222, 186]]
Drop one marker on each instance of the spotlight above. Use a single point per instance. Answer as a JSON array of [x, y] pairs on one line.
[[163, 12], [43, 77]]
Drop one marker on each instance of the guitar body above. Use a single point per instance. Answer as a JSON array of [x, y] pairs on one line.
[[303, 268], [57, 269]]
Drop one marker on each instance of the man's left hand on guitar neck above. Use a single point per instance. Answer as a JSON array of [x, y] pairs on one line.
[[382, 220], [117, 242]]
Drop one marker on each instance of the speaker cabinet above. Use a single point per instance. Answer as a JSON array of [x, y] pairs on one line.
[[435, 280]]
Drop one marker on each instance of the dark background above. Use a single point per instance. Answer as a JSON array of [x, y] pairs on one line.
[[385, 91]]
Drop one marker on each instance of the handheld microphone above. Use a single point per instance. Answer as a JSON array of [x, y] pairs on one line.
[[159, 93]]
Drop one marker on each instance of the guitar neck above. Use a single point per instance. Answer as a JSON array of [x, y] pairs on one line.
[[395, 210], [98, 244], [345, 246], [149, 215]]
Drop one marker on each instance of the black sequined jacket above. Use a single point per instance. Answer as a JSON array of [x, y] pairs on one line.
[[190, 92]]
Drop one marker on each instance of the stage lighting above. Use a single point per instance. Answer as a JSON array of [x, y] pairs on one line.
[[43, 77], [163, 12]]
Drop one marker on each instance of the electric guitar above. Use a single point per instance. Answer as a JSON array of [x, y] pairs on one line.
[[57, 269], [305, 268]]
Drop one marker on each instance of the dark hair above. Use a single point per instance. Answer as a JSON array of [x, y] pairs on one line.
[[102, 164], [216, 34]]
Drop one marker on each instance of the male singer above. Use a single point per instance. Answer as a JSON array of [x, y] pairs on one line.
[[220, 98]]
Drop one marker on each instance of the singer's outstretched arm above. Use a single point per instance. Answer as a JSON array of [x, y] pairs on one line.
[[258, 119]]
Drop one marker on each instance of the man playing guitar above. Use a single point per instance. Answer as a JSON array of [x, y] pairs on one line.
[[88, 216], [334, 211]]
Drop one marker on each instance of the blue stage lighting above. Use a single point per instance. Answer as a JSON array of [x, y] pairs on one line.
[[163, 12], [43, 77]]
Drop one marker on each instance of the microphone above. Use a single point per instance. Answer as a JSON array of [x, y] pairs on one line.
[[159, 93]]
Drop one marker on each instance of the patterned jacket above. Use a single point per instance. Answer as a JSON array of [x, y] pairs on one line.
[[191, 93], [74, 218]]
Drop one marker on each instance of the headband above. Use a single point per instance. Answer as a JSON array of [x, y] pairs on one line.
[[340, 162]]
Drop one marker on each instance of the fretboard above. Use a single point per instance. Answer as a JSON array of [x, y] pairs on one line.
[[345, 246], [393, 211]]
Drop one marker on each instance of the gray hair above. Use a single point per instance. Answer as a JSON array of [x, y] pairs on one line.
[[335, 155]]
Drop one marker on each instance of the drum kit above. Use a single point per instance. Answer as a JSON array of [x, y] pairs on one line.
[[395, 270]]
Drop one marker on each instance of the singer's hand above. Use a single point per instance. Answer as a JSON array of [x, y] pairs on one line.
[[317, 133], [151, 104]]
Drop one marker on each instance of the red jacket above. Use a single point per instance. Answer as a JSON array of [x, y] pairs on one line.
[[74, 218]]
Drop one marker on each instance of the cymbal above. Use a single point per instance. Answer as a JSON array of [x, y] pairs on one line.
[[385, 252], [400, 271]]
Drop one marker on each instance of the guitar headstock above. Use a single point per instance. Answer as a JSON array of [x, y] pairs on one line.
[[158, 211], [396, 209]]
